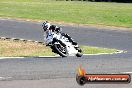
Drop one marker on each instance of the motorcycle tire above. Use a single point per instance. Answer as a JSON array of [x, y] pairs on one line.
[[57, 46]]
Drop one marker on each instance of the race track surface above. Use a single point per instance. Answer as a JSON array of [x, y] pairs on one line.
[[61, 72]]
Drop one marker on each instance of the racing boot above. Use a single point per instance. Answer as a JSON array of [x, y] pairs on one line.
[[78, 48], [49, 44]]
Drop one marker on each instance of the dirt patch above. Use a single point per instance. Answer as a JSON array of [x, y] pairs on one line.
[[20, 48]]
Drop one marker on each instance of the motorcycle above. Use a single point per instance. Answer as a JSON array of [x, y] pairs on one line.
[[61, 45]]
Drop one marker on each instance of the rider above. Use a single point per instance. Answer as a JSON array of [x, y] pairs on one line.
[[47, 27]]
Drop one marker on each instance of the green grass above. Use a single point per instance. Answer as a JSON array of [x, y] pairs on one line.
[[19, 48], [96, 50], [97, 13]]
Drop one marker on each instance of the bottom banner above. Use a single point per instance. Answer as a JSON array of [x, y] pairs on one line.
[[83, 78]]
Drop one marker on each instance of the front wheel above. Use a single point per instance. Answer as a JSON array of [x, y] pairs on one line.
[[61, 49]]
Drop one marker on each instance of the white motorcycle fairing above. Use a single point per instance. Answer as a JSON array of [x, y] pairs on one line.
[[69, 47]]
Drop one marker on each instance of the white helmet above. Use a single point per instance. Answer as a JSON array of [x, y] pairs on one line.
[[46, 25]]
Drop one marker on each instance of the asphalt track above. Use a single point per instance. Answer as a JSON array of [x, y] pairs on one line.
[[36, 72]]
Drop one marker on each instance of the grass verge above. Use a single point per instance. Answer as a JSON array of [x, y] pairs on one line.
[[98, 13], [19, 48], [96, 50]]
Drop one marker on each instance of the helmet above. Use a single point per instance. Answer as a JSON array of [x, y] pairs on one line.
[[46, 25]]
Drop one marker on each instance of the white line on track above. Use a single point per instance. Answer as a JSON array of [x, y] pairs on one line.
[[5, 78], [10, 57], [31, 56], [48, 56], [121, 51]]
